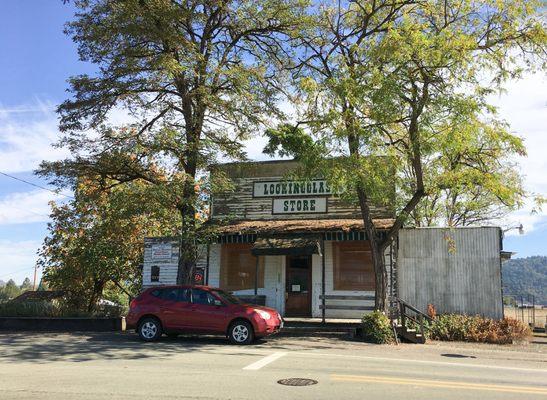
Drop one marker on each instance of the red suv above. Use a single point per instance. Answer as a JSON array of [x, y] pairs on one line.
[[199, 309]]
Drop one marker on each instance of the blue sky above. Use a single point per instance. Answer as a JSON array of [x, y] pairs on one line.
[[37, 58]]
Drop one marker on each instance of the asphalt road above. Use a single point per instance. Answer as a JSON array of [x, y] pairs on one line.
[[118, 366]]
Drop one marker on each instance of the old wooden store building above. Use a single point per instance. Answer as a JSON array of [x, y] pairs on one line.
[[301, 250]]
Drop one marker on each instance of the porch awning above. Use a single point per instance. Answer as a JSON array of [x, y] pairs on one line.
[[289, 246], [295, 226]]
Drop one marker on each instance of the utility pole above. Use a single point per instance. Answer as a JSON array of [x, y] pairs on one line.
[[35, 273]]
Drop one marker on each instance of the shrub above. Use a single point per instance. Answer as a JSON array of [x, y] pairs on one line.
[[53, 309], [377, 328], [456, 327], [431, 311]]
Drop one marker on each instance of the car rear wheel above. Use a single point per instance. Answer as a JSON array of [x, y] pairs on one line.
[[241, 332], [149, 329]]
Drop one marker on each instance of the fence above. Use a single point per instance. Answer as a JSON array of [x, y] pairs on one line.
[[525, 309]]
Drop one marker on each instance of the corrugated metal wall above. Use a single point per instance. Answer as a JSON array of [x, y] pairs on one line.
[[456, 270]]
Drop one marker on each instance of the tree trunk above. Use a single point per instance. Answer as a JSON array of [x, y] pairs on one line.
[[98, 287], [377, 250], [187, 251]]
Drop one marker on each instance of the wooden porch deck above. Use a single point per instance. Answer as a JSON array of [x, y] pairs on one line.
[[314, 326]]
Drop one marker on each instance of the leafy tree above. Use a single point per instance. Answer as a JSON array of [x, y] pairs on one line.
[[10, 290], [196, 77], [43, 285], [95, 240], [26, 285], [473, 181], [394, 80]]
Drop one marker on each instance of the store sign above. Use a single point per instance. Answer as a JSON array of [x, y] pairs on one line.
[[318, 187], [306, 205], [199, 276], [161, 252]]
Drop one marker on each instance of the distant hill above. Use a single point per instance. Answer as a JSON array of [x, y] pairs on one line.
[[524, 276]]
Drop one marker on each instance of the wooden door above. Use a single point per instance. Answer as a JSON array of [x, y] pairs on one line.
[[298, 286]]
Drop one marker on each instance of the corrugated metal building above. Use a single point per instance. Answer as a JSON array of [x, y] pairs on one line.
[[457, 270]]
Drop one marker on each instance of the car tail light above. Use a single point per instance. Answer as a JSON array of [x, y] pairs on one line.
[[135, 302]]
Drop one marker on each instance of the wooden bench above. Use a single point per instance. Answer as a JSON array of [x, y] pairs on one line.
[[344, 306]]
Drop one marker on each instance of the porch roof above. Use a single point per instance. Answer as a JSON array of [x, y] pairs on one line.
[[287, 245], [297, 226]]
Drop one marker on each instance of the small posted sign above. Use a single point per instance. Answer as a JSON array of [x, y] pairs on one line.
[[161, 252]]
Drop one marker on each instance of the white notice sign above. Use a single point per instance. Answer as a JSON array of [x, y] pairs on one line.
[[306, 205], [161, 251]]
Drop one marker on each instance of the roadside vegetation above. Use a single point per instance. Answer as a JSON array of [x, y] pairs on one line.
[[465, 328], [10, 289], [57, 309], [376, 328]]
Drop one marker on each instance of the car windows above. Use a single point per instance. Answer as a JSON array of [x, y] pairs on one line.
[[200, 296], [171, 294], [184, 295], [175, 294], [227, 297]]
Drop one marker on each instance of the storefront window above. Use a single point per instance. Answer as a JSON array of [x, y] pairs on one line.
[[155, 274], [353, 268], [238, 266]]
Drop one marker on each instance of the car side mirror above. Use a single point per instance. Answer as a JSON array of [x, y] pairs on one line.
[[218, 303]]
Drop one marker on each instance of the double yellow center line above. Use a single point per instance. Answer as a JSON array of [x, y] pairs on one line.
[[439, 384]]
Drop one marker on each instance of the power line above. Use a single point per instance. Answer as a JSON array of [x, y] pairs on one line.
[[16, 272], [30, 211], [35, 185]]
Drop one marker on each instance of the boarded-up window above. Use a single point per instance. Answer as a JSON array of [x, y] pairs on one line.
[[353, 268], [155, 273], [238, 266]]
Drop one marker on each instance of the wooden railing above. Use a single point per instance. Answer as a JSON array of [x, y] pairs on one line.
[[405, 313]]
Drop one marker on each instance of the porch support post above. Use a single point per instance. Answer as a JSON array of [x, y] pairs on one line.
[[207, 265], [323, 279], [256, 276]]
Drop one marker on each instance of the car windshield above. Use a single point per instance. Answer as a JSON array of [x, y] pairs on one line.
[[229, 298]]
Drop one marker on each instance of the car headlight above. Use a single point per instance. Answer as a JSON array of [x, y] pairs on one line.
[[263, 314]]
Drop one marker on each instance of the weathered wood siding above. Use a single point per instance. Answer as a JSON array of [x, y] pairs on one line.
[[273, 277], [456, 270], [329, 290], [168, 266], [239, 202]]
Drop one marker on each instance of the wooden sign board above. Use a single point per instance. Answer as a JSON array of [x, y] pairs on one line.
[[305, 205], [317, 187]]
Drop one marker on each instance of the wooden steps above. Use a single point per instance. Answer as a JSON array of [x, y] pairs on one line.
[[410, 324], [410, 335]]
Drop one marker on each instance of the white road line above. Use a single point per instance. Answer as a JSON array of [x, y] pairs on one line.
[[430, 362], [264, 361]]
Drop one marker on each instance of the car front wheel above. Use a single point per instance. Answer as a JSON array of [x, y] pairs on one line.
[[241, 332], [149, 329]]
